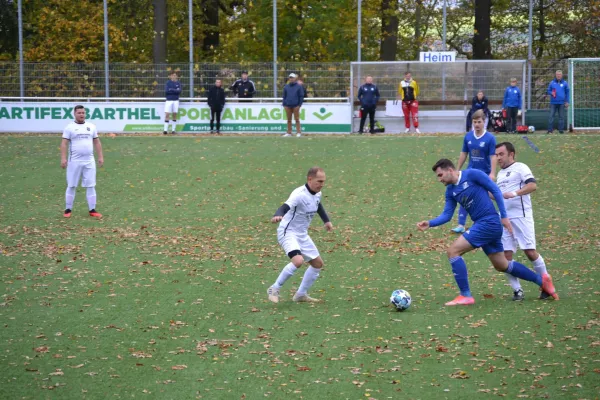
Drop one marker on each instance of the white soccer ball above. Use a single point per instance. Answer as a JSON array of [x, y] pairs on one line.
[[531, 129], [400, 299]]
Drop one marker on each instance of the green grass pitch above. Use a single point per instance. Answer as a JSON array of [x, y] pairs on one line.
[[165, 297]]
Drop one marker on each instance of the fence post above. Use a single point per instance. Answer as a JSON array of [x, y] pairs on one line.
[[191, 39], [274, 48], [21, 80], [106, 73], [522, 97]]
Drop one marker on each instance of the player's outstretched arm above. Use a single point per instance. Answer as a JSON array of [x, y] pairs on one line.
[[281, 211], [445, 216], [423, 225], [461, 159], [63, 153]]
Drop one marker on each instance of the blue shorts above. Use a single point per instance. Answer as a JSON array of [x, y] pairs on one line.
[[486, 234]]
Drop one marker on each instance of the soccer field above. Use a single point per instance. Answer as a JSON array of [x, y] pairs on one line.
[[165, 297]]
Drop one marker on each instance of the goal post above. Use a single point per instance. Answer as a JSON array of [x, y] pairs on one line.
[[584, 102]]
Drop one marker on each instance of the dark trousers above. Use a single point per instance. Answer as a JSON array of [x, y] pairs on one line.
[[370, 111], [560, 110], [511, 118], [215, 112]]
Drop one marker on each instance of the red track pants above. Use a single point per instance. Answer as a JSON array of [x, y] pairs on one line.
[[409, 107]]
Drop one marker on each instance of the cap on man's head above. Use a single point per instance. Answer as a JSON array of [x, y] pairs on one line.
[[244, 72], [292, 75]]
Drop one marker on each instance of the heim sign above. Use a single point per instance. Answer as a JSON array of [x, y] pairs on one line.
[[437, 56], [192, 118]]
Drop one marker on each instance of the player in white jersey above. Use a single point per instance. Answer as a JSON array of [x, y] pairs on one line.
[[516, 182], [80, 138], [294, 217]]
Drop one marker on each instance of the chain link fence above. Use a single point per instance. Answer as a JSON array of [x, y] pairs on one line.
[[148, 80], [321, 79]]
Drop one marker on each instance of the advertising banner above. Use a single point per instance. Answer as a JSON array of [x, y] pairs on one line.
[[192, 117]]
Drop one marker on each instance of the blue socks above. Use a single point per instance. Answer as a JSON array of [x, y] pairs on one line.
[[522, 272], [459, 268], [462, 216]]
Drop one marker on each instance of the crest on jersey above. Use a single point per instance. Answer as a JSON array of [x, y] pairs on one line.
[[469, 142], [88, 128], [508, 174], [465, 185], [482, 144]]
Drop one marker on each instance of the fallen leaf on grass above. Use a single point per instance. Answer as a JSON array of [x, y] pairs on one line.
[[58, 372], [459, 375], [303, 368], [488, 296], [76, 366], [179, 367], [42, 349]]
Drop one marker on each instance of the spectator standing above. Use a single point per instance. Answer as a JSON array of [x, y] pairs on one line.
[[408, 91], [368, 95], [243, 88], [559, 100], [216, 102], [480, 102], [293, 97], [301, 83], [512, 105], [172, 91]]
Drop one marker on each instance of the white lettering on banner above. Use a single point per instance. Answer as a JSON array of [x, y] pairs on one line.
[[437, 56], [192, 117]]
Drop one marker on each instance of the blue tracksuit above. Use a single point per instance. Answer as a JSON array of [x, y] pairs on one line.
[[173, 90], [512, 97], [471, 192], [562, 91], [293, 95]]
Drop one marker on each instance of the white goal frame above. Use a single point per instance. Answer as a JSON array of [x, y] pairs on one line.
[[572, 84]]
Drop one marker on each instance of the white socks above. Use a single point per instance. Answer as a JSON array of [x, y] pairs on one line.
[[287, 272], [166, 126], [310, 276], [514, 282], [540, 268], [91, 197], [70, 197], [173, 125]]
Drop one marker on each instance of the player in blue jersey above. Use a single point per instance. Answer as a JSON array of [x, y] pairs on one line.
[[470, 188], [480, 146]]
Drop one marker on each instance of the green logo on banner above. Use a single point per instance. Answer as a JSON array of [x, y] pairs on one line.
[[322, 116]]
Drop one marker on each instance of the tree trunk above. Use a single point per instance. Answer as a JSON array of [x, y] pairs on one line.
[[417, 40], [210, 19], [482, 48], [389, 30], [542, 30], [159, 44]]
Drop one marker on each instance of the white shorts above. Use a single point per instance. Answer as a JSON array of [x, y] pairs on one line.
[[172, 106], [523, 235], [290, 242], [77, 170]]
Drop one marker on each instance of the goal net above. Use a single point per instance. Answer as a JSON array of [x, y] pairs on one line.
[[445, 85], [584, 81]]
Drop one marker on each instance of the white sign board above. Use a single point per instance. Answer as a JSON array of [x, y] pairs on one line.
[[437, 56], [192, 117]]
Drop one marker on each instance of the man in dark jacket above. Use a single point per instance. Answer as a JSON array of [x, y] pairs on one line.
[[216, 102], [301, 83], [559, 100], [293, 96], [243, 88], [480, 102], [368, 95]]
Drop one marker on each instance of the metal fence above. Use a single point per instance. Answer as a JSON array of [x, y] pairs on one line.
[[322, 79], [148, 80]]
